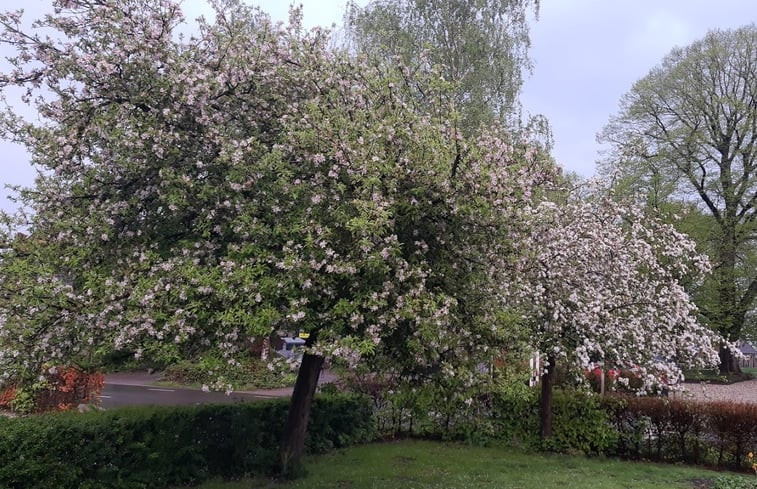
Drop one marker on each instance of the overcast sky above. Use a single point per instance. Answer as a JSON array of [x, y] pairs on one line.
[[586, 53]]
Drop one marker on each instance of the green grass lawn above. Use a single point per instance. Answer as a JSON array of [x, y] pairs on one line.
[[427, 465], [714, 376]]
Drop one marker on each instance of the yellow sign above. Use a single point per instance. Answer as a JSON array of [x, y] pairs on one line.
[[304, 335]]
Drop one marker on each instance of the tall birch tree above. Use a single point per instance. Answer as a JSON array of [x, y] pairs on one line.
[[480, 46]]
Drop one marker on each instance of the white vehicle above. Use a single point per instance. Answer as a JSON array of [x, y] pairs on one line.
[[289, 348]]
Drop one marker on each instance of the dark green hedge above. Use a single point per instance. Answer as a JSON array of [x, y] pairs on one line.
[[161, 446], [580, 423], [510, 417]]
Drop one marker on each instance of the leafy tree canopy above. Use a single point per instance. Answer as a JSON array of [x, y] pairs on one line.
[[480, 46], [687, 132], [196, 193]]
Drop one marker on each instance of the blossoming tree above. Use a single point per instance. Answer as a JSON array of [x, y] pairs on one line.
[[196, 193], [601, 282]]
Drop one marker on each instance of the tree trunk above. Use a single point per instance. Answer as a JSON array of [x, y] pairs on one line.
[[295, 429], [729, 364], [545, 405], [728, 298]]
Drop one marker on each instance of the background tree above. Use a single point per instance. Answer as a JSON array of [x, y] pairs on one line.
[[687, 131], [198, 193], [480, 46], [600, 282]]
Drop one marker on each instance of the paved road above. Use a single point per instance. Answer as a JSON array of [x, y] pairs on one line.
[[745, 392], [137, 388], [116, 395]]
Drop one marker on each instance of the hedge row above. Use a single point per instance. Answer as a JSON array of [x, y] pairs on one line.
[[653, 428], [156, 447], [580, 422], [711, 433], [663, 429]]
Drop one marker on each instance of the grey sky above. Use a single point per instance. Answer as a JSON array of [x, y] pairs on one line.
[[587, 54]]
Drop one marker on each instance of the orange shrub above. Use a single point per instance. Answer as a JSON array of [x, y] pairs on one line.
[[66, 387], [6, 396], [69, 387]]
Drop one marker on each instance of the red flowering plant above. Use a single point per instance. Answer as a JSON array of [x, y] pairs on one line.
[[631, 379], [594, 378], [56, 389]]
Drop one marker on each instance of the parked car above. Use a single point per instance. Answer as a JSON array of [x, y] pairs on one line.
[[290, 347]]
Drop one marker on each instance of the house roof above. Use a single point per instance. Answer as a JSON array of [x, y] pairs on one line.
[[747, 348]]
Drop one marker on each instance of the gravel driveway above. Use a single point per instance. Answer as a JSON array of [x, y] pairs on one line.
[[739, 392]]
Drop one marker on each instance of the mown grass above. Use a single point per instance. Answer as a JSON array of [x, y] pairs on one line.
[[254, 374], [430, 465], [715, 377]]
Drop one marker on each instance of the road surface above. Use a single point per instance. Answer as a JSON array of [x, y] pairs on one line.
[[115, 395], [137, 388]]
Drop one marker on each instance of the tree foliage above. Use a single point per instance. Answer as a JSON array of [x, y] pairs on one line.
[[599, 282], [196, 193], [687, 131], [481, 46]]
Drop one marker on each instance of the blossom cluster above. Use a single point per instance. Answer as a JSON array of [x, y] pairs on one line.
[[198, 193], [602, 282]]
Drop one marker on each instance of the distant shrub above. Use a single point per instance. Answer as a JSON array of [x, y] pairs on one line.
[[59, 389], [580, 422], [253, 373], [616, 379], [509, 415]]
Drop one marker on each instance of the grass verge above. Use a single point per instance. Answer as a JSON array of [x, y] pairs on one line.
[[430, 465], [253, 374], [715, 377]]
